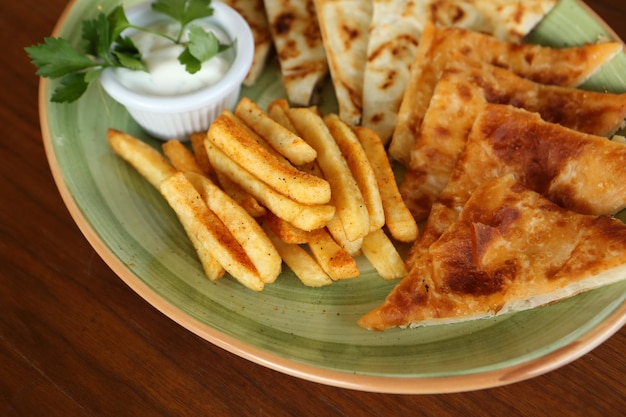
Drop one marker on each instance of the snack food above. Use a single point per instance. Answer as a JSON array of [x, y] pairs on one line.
[[395, 32], [567, 166], [510, 250], [253, 11], [463, 89], [299, 48], [344, 25], [557, 66]]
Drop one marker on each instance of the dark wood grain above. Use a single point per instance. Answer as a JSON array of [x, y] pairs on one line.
[[76, 341]]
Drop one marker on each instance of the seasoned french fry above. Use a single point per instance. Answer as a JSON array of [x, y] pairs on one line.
[[398, 218], [181, 157], [347, 196], [286, 179], [149, 162], [333, 259], [243, 198], [241, 225], [360, 167], [287, 232], [306, 217], [336, 230], [277, 110], [284, 141], [197, 145], [383, 256], [301, 263], [208, 230]]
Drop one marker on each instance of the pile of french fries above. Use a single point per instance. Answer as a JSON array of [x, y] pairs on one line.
[[284, 185]]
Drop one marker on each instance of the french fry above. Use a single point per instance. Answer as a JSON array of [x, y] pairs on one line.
[[286, 179], [197, 145], [208, 231], [284, 141], [243, 198], [301, 263], [360, 167], [333, 259], [287, 232], [336, 230], [277, 110], [347, 196], [181, 157], [306, 217], [383, 256], [149, 162], [398, 218], [242, 226]]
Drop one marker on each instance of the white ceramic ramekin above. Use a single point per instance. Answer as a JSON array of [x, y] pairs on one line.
[[177, 117]]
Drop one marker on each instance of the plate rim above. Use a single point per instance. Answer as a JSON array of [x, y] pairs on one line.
[[349, 380]]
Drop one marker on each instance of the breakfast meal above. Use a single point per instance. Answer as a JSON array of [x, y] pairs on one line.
[[446, 119]]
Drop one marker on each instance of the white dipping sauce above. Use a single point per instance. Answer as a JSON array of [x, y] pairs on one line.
[[166, 76]]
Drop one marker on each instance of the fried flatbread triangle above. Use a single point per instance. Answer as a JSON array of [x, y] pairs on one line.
[[460, 94], [579, 171], [299, 47], [253, 11], [395, 31], [558, 66], [510, 250], [344, 25]]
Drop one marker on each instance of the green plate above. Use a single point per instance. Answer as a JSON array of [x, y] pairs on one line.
[[306, 332]]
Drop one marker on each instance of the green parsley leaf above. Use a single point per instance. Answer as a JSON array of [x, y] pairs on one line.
[[202, 45], [56, 57], [128, 55], [118, 22], [71, 87], [191, 63], [184, 11]]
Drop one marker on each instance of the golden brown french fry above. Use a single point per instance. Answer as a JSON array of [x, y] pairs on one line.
[[208, 230], [242, 226], [181, 157], [398, 218], [197, 145], [306, 217], [149, 162], [277, 110], [360, 167], [243, 198], [301, 263], [346, 194], [284, 141], [286, 179], [287, 232], [333, 259], [336, 230], [383, 256]]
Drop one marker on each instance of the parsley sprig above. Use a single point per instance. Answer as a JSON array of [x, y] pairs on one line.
[[104, 46]]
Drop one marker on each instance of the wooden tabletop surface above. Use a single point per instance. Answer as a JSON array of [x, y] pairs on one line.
[[76, 341]]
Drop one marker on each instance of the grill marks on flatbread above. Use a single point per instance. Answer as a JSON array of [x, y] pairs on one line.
[[253, 11], [299, 47], [568, 167], [509, 250], [395, 31], [463, 89], [557, 66], [344, 25]]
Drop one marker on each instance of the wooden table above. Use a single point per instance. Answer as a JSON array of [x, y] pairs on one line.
[[76, 341]]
